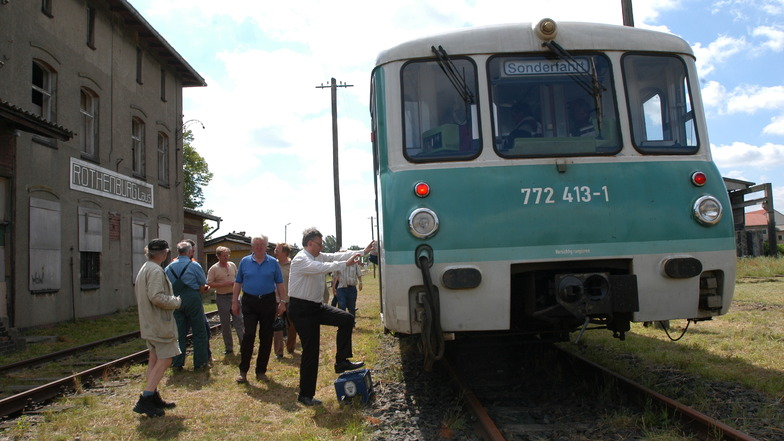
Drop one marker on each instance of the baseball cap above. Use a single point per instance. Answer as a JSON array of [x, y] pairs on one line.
[[157, 245]]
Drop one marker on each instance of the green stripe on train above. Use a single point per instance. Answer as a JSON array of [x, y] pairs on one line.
[[537, 208], [564, 252]]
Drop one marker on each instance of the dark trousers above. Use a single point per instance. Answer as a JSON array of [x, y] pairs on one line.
[[191, 315], [257, 311], [308, 318]]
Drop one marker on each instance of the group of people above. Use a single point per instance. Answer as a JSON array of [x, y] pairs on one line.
[[170, 304]]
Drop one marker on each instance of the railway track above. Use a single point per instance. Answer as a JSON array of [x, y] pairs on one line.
[[36, 390], [541, 392]]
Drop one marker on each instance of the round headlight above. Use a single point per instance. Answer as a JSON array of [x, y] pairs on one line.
[[423, 223], [707, 210]]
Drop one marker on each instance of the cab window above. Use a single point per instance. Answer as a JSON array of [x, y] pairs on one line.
[[440, 119]]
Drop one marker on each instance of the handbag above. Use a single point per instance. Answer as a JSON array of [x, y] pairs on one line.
[[279, 324]]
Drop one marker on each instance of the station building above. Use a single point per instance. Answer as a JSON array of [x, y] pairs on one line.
[[90, 155]]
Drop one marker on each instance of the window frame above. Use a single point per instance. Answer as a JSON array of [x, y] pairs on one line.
[[91, 12], [635, 102], [163, 159], [557, 135], [473, 111], [138, 148], [90, 123]]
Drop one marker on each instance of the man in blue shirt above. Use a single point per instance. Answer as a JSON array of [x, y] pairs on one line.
[[258, 276], [189, 282]]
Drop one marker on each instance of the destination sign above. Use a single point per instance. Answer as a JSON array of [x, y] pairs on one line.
[[549, 67]]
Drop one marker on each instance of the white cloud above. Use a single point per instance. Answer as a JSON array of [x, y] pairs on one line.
[[717, 52], [776, 126], [739, 155], [774, 35], [743, 99]]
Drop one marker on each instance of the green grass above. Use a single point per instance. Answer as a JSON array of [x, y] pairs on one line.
[[211, 405]]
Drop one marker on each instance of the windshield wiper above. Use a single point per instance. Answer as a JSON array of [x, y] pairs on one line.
[[454, 76], [594, 87]]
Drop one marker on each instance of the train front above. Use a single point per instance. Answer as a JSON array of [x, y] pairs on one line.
[[546, 179]]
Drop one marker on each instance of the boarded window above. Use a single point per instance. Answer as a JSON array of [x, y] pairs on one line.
[[45, 239]]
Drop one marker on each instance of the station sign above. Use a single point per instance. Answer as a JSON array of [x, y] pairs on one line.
[[99, 181]]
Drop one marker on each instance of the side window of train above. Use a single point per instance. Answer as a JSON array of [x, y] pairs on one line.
[[440, 116], [660, 106], [545, 106]]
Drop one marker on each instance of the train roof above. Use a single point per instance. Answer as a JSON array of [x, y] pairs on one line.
[[520, 37]]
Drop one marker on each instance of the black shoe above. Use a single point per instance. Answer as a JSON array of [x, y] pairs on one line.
[[146, 405], [177, 369], [228, 352], [308, 401], [345, 365], [160, 404]]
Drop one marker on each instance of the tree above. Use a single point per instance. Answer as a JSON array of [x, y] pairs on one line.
[[330, 244], [197, 173]]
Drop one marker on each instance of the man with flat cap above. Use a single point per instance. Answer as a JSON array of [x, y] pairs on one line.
[[156, 303]]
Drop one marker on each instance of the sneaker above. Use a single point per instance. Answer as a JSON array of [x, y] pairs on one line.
[[147, 406], [228, 352], [160, 404], [308, 401], [241, 378], [279, 356], [262, 377]]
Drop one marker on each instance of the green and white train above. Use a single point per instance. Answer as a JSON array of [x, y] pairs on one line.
[[544, 178]]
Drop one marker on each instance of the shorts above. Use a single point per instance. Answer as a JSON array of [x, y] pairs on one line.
[[164, 350]]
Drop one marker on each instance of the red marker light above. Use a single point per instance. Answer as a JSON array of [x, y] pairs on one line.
[[421, 189], [699, 179]]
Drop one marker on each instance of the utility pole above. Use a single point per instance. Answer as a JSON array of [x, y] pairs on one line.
[[335, 171], [628, 15]]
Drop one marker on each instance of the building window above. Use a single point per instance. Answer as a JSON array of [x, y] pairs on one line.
[[45, 243], [89, 109], [91, 27], [139, 57], [43, 90], [138, 242], [46, 7], [90, 270], [90, 246], [137, 147], [163, 85], [163, 159]]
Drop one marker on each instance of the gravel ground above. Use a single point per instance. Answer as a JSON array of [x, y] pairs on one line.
[[411, 404]]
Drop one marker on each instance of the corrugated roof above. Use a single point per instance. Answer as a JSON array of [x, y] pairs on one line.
[[23, 120]]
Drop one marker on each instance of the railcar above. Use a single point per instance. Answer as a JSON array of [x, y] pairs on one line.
[[545, 179]]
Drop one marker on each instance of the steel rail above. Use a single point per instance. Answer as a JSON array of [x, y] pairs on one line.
[[18, 402], [490, 431], [77, 349], [46, 392], [705, 427]]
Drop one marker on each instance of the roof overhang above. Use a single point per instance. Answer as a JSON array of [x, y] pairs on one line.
[[25, 121], [156, 43]]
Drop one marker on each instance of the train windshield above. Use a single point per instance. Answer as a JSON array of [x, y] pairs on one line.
[[660, 108], [548, 106], [440, 110]]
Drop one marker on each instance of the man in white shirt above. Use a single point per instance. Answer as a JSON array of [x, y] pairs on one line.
[[306, 292]]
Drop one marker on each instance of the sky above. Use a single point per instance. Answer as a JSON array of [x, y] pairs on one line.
[[265, 127]]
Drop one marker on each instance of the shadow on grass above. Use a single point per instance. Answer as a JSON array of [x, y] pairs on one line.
[[161, 428], [191, 380]]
